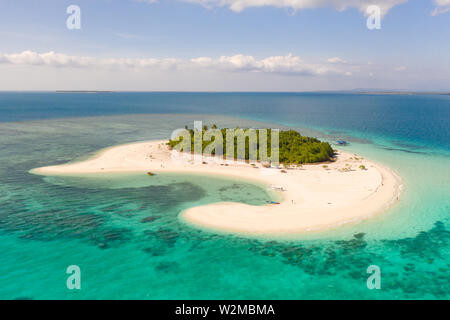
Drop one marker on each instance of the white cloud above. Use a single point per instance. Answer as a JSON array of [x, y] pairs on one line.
[[340, 5], [288, 65], [54, 59], [336, 60], [442, 6], [49, 59]]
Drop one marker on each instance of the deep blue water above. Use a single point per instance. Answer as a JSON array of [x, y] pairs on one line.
[[406, 119]]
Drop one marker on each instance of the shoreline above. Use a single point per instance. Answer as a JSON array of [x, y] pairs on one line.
[[316, 197]]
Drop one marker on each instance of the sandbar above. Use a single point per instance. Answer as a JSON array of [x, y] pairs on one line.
[[314, 197]]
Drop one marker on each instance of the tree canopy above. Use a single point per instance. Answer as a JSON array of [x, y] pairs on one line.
[[293, 147]]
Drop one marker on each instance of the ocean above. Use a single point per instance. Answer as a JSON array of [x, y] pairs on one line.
[[123, 230]]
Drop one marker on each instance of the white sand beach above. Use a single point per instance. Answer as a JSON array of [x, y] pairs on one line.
[[315, 197]]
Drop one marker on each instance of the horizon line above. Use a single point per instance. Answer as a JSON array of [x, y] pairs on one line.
[[354, 91]]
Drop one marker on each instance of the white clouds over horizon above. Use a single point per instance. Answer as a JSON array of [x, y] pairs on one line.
[[29, 70], [340, 5], [441, 6], [284, 65]]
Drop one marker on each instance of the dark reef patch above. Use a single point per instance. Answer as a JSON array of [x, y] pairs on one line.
[[167, 266], [404, 150], [165, 235], [350, 259], [48, 212], [150, 219], [155, 251], [425, 246]]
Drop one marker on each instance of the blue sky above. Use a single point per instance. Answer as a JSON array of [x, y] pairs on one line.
[[411, 51]]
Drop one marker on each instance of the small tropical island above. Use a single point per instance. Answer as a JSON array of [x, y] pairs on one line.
[[315, 188], [293, 148]]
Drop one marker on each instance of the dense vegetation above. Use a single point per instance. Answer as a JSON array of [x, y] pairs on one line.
[[293, 147]]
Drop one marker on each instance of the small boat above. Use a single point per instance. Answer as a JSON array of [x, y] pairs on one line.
[[150, 174], [274, 202], [342, 142]]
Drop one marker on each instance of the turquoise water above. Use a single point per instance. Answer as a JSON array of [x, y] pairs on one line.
[[124, 232]]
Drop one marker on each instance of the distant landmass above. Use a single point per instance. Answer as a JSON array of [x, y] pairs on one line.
[[82, 91], [398, 92], [354, 91]]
